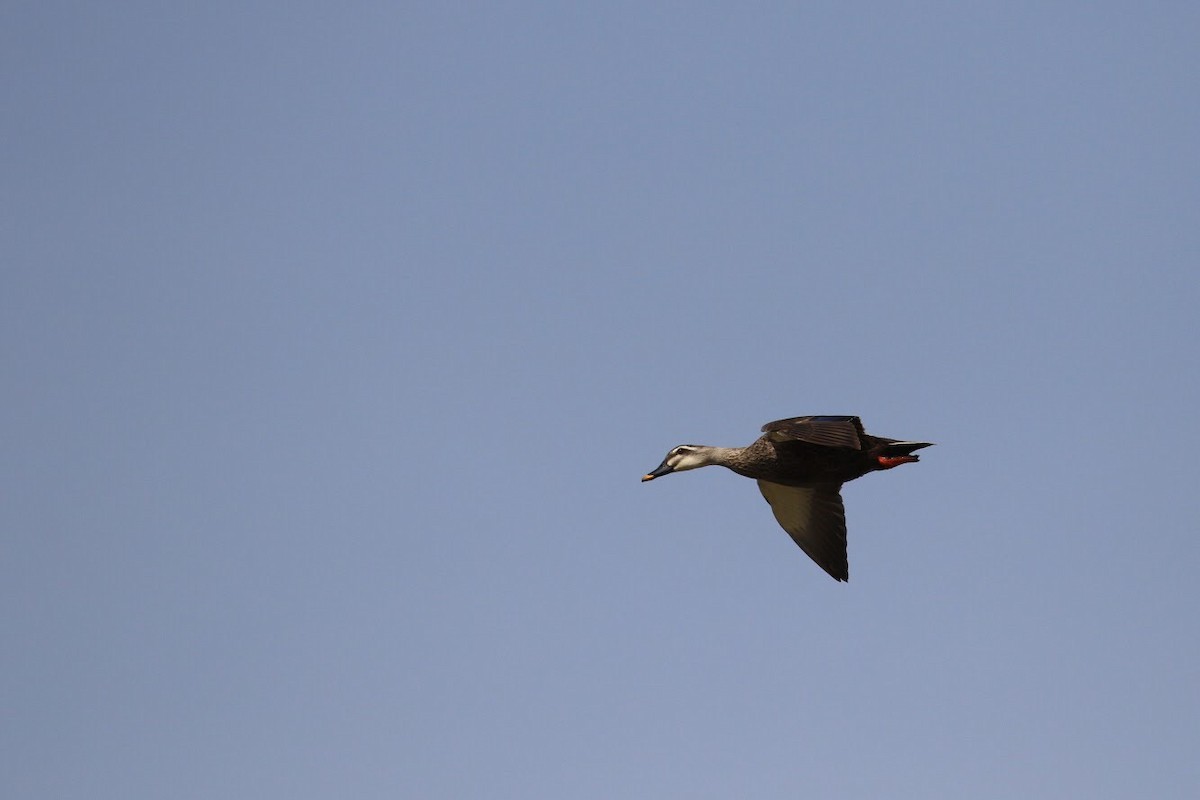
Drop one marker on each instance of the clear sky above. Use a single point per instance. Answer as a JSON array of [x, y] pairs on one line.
[[334, 339]]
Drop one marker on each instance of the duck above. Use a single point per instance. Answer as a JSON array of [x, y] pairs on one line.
[[800, 464]]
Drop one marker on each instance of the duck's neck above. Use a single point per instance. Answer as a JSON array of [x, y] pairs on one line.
[[724, 456]]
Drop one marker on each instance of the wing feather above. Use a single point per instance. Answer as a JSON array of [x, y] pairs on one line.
[[815, 519], [827, 431]]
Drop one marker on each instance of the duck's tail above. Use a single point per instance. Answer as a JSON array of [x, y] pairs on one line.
[[893, 454], [903, 448]]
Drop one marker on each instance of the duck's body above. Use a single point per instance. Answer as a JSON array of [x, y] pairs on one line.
[[800, 464]]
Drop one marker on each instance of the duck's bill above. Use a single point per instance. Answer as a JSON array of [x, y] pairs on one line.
[[663, 469]]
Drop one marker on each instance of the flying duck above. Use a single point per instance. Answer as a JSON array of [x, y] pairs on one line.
[[800, 464]]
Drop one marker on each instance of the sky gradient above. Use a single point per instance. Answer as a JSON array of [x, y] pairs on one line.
[[335, 339]]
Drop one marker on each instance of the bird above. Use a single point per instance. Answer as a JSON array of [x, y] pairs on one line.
[[800, 464]]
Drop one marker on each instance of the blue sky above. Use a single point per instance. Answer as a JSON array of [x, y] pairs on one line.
[[335, 339]]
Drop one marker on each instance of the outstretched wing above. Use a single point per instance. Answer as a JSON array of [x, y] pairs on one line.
[[815, 519], [827, 431]]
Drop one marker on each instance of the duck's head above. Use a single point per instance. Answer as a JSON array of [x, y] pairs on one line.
[[683, 457]]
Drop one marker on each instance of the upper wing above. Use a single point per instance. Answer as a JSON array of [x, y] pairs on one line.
[[815, 519], [828, 431]]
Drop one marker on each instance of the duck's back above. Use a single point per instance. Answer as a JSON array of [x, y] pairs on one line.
[[795, 463]]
